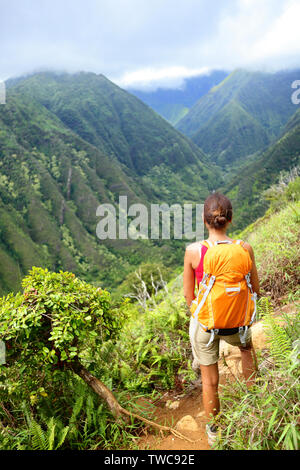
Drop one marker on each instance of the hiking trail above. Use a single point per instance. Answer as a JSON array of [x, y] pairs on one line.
[[187, 409]]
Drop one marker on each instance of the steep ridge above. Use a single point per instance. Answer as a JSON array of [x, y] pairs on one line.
[[51, 184], [69, 143], [174, 104], [246, 186], [246, 111], [120, 125]]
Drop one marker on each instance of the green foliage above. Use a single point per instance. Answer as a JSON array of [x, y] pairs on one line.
[[49, 439], [275, 237], [285, 191], [153, 351], [266, 417], [150, 276], [70, 143], [56, 318], [241, 115], [71, 417]]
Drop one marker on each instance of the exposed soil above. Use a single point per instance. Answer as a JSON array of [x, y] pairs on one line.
[[191, 402]]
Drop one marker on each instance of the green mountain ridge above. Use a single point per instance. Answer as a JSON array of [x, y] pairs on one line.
[[113, 120], [246, 186], [174, 103], [264, 104], [217, 135], [56, 169]]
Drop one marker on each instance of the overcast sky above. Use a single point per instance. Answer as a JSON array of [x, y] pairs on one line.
[[146, 43]]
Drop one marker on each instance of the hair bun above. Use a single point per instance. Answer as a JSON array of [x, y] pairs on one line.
[[220, 219]]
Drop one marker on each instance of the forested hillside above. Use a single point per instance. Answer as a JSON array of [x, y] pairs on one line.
[[69, 143], [246, 187], [174, 103], [243, 114], [141, 352]]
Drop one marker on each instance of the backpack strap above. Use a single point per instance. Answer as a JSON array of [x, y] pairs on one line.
[[224, 242], [239, 242], [243, 333], [212, 336], [205, 295]]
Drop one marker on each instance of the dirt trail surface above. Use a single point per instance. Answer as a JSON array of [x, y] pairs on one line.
[[189, 408], [187, 411]]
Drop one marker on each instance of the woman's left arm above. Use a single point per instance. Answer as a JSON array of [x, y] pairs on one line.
[[188, 278]]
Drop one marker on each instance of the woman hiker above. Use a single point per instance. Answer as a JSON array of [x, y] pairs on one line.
[[223, 257]]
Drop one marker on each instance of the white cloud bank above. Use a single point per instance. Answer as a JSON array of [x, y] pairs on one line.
[[145, 43]]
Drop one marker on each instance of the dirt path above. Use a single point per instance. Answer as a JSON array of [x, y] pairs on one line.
[[189, 405], [171, 408]]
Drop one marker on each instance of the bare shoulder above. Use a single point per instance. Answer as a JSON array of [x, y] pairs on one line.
[[249, 248], [192, 247]]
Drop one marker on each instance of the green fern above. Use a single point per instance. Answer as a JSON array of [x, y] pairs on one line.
[[39, 438], [45, 439], [76, 410], [264, 307], [278, 340]]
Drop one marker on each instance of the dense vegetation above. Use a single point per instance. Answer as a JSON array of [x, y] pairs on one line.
[[241, 115], [246, 186], [148, 353], [69, 143], [174, 104]]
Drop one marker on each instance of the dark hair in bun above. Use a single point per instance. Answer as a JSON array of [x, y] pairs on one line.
[[217, 210]]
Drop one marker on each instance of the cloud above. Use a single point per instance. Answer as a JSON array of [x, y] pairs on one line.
[[143, 42], [150, 78]]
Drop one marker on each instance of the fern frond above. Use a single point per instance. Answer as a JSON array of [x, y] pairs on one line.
[[76, 409], [62, 437], [278, 339], [39, 438], [51, 433]]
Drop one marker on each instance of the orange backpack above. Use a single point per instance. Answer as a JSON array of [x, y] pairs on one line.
[[225, 298]]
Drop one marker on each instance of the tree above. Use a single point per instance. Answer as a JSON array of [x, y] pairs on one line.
[[58, 321], [55, 322]]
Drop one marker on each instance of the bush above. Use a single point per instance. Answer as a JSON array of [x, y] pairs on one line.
[[267, 416]]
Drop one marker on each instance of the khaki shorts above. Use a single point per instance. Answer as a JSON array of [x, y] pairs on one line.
[[207, 355]]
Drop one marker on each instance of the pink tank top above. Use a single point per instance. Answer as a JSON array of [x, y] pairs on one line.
[[199, 270]]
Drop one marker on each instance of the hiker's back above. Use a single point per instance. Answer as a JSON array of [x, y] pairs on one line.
[[225, 299]]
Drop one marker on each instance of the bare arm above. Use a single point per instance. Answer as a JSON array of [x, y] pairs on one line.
[[254, 275], [188, 278]]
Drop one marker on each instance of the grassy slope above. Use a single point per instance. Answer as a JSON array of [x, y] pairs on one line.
[[231, 135]]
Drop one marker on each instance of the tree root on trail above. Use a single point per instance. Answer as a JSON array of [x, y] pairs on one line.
[[116, 409]]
